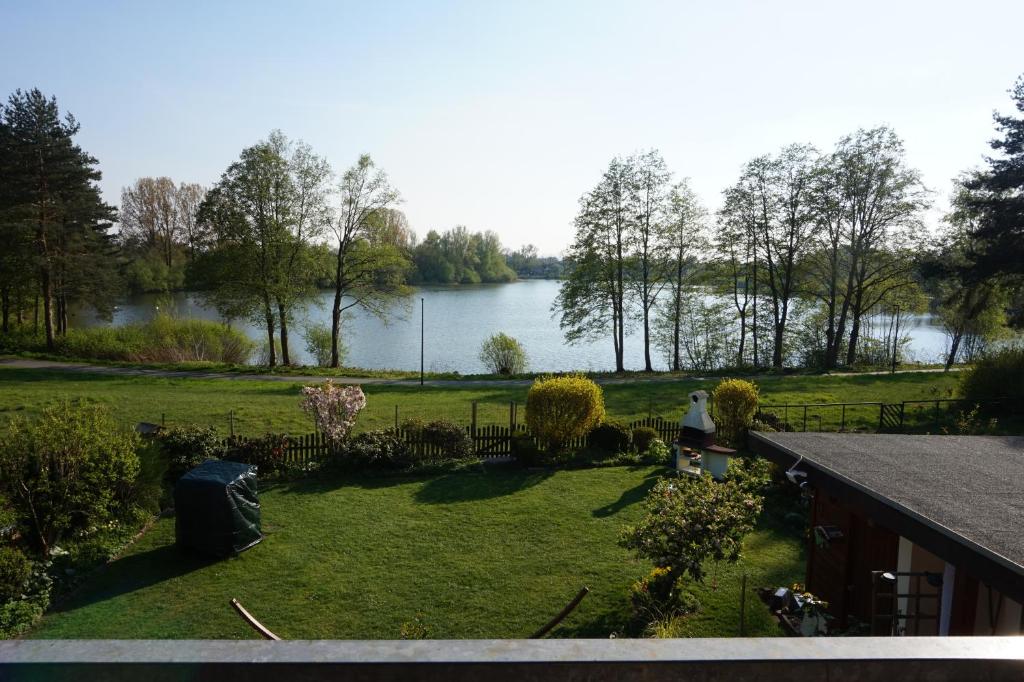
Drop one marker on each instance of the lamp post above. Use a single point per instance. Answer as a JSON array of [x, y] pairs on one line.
[[421, 340]]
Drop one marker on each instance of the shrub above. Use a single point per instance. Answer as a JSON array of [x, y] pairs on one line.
[[735, 405], [559, 409], [376, 449], [610, 437], [267, 453], [660, 597], [525, 450], [753, 475], [691, 520], [334, 408], [643, 436], [502, 354], [15, 569], [453, 440], [996, 375], [162, 339], [186, 447], [658, 452], [17, 616], [63, 471], [318, 344]]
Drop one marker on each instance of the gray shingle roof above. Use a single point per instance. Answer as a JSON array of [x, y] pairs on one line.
[[968, 486]]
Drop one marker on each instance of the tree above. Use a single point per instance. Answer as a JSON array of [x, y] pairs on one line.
[[591, 301], [996, 196], [972, 311], [867, 205], [736, 245], [48, 186], [149, 216], [502, 354], [366, 274], [263, 213], [689, 521], [647, 186], [683, 240]]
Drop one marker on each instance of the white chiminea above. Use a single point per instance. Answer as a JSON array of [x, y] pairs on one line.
[[697, 428]]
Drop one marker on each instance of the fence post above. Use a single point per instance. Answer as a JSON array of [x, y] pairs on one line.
[[842, 426], [396, 416], [743, 606], [472, 427], [805, 418], [511, 418], [936, 414], [231, 422]]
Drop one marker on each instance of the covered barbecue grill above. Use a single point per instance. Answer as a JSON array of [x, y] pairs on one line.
[[217, 509]]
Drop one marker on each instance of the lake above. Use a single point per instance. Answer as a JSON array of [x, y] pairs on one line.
[[457, 320]]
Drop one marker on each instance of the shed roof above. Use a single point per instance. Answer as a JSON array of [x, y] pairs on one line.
[[967, 488]]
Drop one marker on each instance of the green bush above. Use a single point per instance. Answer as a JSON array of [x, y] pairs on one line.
[[525, 450], [996, 375], [453, 440], [610, 437], [15, 569], [661, 596], [658, 452], [318, 344], [689, 521], [560, 409], [502, 354], [374, 449], [753, 475], [735, 406], [643, 436], [162, 339], [19, 615], [267, 453], [186, 447], [65, 470]]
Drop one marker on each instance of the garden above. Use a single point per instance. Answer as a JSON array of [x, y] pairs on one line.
[[382, 538]]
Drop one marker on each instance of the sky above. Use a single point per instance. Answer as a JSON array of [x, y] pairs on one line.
[[500, 115]]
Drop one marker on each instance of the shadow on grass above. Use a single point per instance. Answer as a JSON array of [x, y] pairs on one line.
[[467, 487], [134, 572], [629, 497]]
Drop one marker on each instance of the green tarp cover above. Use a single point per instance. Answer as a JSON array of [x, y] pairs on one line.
[[217, 509]]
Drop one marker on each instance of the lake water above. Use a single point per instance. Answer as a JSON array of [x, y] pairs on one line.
[[456, 322]]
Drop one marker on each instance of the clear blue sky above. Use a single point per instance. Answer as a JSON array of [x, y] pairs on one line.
[[499, 115]]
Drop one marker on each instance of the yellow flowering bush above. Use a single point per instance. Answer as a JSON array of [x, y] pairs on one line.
[[559, 409], [735, 403]]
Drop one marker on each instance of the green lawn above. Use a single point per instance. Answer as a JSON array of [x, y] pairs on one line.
[[490, 554], [260, 406]]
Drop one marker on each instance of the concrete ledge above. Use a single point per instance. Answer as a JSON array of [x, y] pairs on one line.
[[836, 659]]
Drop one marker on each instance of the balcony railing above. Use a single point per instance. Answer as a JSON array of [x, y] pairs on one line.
[[832, 658]]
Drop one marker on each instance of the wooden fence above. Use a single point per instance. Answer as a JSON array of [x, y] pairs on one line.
[[490, 442]]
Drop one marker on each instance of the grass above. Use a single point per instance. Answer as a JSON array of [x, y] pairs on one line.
[[470, 555], [259, 406]]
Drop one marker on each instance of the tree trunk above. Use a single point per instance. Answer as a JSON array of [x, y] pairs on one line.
[[953, 349], [35, 314], [283, 316], [268, 313], [47, 290], [336, 309], [676, 323], [5, 304], [648, 367]]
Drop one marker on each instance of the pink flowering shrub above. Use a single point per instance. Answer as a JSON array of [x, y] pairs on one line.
[[334, 408]]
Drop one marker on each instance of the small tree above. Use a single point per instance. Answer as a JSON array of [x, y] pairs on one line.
[[735, 406], [559, 409], [65, 470], [692, 520], [334, 408], [502, 354], [318, 344]]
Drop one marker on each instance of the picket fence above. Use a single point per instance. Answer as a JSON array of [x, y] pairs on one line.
[[490, 442]]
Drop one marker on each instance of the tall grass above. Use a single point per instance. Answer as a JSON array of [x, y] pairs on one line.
[[162, 339]]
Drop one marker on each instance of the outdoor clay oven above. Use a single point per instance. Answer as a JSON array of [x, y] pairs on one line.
[[697, 432], [217, 509]]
